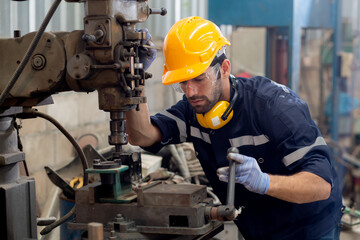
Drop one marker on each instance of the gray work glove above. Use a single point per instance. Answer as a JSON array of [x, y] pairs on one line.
[[247, 173], [146, 55]]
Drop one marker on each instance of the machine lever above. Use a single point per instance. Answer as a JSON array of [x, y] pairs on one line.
[[226, 212], [161, 11], [231, 183], [68, 191], [45, 221]]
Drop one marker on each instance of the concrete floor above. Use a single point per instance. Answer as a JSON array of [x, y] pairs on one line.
[[350, 234]]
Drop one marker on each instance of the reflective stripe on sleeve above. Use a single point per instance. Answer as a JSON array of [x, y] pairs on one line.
[[195, 132], [301, 152], [248, 140], [180, 124]]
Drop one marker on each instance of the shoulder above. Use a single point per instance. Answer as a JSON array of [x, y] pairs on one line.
[[263, 86]]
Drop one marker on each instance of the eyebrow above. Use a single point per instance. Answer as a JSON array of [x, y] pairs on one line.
[[201, 75]]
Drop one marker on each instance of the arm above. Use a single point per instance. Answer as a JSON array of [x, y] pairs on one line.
[[138, 126], [302, 187]]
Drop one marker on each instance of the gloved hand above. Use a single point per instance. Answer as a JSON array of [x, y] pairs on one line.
[[146, 55], [247, 172]]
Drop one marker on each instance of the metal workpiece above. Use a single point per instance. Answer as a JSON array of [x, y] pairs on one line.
[[165, 211], [114, 187], [172, 195]]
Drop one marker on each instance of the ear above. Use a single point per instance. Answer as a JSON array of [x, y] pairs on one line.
[[226, 68]]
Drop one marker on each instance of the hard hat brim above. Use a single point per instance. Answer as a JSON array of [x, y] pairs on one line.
[[184, 74]]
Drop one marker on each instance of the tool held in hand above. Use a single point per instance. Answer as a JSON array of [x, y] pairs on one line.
[[227, 212]]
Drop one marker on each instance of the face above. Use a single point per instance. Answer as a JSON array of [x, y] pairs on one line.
[[204, 91]]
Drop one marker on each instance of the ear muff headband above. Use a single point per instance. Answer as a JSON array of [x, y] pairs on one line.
[[233, 100], [221, 113]]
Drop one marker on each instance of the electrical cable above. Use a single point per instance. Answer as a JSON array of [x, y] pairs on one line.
[[29, 52], [62, 220], [82, 157], [78, 149]]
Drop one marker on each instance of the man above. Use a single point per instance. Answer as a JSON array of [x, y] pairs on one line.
[[286, 184]]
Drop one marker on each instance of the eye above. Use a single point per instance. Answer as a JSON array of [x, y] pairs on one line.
[[200, 78]]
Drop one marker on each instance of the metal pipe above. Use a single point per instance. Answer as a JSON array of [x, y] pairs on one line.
[[179, 162], [230, 197], [29, 52], [337, 17]]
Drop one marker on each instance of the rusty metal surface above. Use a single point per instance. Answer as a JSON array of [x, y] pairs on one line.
[[186, 216], [111, 99], [174, 195], [151, 236], [124, 10], [43, 72]]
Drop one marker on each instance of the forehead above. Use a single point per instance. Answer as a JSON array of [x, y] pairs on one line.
[[208, 70]]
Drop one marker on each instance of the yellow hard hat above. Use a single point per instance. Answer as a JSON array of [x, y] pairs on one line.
[[189, 48]]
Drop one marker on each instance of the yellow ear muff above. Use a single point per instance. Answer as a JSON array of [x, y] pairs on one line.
[[201, 120], [212, 119]]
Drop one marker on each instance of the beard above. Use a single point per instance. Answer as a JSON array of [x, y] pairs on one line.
[[206, 103], [204, 107]]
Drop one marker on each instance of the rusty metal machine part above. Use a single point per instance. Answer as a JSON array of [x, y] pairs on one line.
[[17, 194], [104, 57], [42, 76], [166, 211], [226, 212]]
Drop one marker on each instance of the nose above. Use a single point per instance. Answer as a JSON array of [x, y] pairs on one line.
[[190, 89]]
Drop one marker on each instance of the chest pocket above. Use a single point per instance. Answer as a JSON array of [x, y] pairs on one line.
[[260, 148]]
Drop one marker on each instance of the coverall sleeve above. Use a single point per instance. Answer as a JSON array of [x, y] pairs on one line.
[[296, 136], [172, 125]]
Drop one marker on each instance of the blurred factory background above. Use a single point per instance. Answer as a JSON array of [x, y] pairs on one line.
[[311, 46]]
